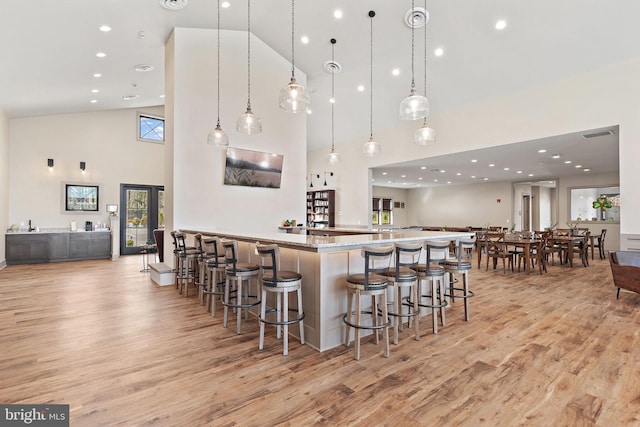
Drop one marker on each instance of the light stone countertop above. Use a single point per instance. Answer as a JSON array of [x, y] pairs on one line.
[[329, 243]]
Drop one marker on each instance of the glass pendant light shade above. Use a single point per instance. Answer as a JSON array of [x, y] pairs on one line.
[[218, 137], [414, 107], [371, 148], [425, 135], [333, 157], [293, 97], [249, 123]]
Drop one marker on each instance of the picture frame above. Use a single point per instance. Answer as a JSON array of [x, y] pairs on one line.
[[253, 168], [81, 198]]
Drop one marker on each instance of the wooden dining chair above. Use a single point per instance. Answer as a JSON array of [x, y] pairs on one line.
[[496, 248]]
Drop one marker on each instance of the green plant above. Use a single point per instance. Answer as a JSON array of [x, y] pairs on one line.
[[129, 242]]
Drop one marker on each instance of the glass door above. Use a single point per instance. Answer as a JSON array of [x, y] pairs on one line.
[[142, 212]]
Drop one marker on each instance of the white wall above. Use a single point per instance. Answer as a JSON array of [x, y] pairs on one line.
[[200, 199], [4, 181], [461, 205], [552, 109], [397, 195], [105, 140]]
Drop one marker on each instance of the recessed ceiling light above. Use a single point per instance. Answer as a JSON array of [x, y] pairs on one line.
[[474, 161], [225, 4], [530, 174], [95, 90], [309, 110], [101, 54], [423, 167], [420, 179], [395, 72], [173, 4], [442, 171], [448, 182], [578, 166], [130, 97], [439, 51], [384, 173], [555, 156], [491, 165], [161, 96], [360, 88], [519, 172], [501, 24], [304, 39], [586, 169], [435, 180], [542, 151], [403, 176], [97, 75], [144, 68], [105, 28], [459, 173], [473, 177], [485, 179], [567, 162], [93, 101], [337, 14], [506, 169], [332, 100]]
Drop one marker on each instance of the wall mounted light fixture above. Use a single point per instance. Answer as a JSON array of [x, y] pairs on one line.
[[50, 163], [83, 166], [317, 175], [325, 177]]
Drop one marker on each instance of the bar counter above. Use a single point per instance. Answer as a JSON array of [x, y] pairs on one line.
[[324, 262]]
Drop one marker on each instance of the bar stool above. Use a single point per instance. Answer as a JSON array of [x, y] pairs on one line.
[[187, 266], [460, 264], [402, 277], [214, 272], [432, 272], [240, 274], [370, 283], [280, 283]]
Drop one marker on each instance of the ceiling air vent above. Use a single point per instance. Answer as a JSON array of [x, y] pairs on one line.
[[173, 4], [597, 134]]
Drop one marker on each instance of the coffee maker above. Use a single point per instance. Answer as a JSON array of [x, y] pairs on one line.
[[88, 226]]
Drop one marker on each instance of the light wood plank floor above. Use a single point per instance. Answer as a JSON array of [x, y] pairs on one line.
[[549, 350]]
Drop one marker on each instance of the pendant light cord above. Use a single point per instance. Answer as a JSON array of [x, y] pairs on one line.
[[371, 15], [333, 99], [413, 26], [425, 59], [218, 63], [293, 61], [248, 54]]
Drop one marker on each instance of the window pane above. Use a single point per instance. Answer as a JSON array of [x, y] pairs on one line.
[[151, 128]]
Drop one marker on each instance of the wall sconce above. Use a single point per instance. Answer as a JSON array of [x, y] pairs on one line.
[[325, 177], [83, 166], [50, 163], [311, 180]]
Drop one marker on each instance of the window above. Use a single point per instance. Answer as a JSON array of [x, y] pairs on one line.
[[150, 128]]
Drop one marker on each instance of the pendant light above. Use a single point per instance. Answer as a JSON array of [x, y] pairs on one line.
[[425, 135], [414, 106], [218, 137], [333, 156], [371, 148], [293, 97], [248, 122]]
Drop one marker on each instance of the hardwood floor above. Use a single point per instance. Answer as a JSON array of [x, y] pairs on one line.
[[549, 350]]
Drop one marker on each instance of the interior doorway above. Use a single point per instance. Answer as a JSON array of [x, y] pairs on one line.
[[526, 212]]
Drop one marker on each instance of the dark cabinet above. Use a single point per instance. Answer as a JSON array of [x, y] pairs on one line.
[[26, 248], [52, 247]]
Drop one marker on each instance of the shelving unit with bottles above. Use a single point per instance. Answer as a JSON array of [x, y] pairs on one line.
[[321, 208]]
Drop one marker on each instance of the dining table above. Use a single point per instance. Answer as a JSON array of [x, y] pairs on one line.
[[568, 243], [525, 244]]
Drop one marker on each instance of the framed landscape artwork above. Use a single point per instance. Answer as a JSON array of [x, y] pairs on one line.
[[252, 168]]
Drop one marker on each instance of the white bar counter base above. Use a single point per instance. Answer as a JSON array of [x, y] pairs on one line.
[[324, 262]]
